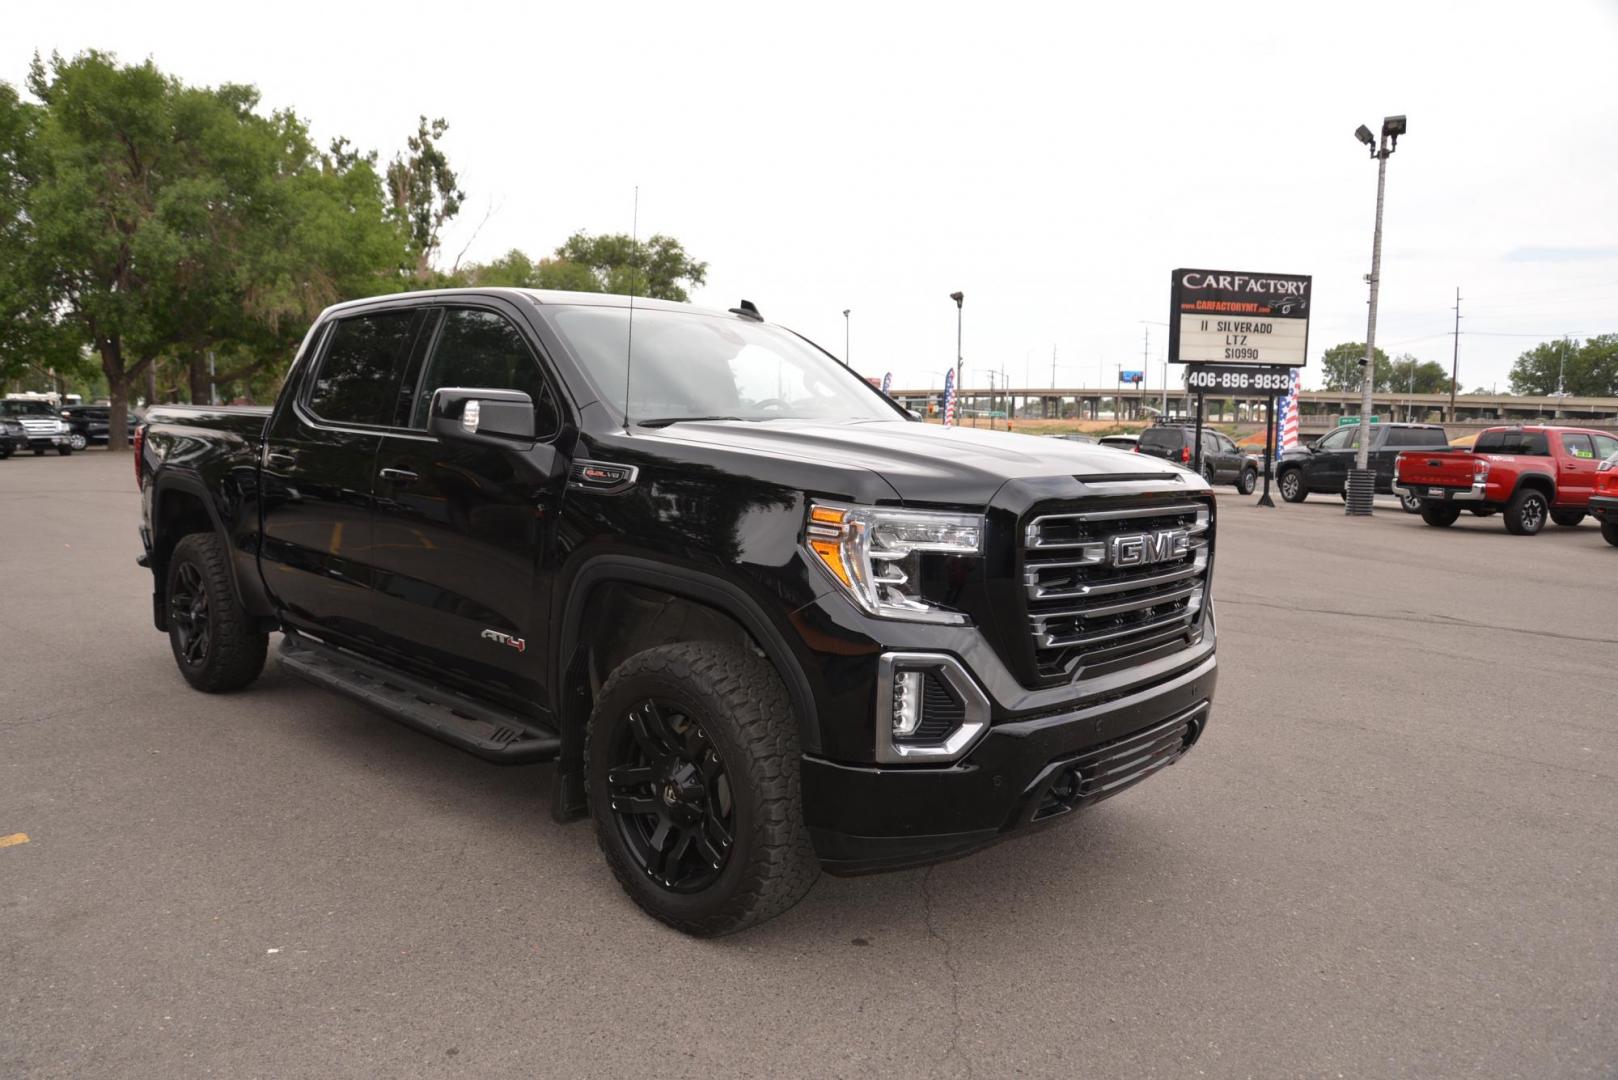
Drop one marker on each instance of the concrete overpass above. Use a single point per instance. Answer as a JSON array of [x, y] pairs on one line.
[[1320, 408]]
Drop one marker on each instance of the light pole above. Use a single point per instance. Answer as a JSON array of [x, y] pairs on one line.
[[845, 336], [1361, 489], [960, 299]]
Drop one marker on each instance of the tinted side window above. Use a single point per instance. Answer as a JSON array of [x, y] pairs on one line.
[[358, 376], [1341, 439], [1606, 446], [1225, 444], [1579, 446], [1163, 438], [1526, 443], [482, 349]]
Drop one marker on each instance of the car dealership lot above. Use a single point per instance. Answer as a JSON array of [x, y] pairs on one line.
[[1394, 853]]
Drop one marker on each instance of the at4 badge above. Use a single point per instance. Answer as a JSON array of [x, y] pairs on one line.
[[505, 639]]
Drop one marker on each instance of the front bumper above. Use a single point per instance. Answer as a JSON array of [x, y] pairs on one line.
[[1475, 493], [1022, 773]]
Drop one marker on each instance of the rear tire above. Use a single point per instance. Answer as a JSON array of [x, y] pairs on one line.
[[1609, 532], [1527, 511], [217, 645], [1439, 515], [1292, 486], [691, 760], [1567, 519], [1247, 481], [64, 451], [1410, 504]]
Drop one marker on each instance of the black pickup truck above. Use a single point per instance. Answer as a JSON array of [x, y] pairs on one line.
[[762, 619]]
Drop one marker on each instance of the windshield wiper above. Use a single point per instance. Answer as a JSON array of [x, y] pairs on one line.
[[665, 421]]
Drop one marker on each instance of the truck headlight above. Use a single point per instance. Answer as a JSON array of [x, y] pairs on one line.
[[877, 556]]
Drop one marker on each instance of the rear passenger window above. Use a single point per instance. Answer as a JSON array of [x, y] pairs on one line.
[[359, 374], [1524, 443], [482, 349], [1579, 446]]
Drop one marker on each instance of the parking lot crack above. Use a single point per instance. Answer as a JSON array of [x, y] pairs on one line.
[[948, 947], [1415, 617]]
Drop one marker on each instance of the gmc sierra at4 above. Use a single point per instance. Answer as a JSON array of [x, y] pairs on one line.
[[764, 621]]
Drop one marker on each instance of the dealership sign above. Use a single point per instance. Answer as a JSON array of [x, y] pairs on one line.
[[1229, 317]]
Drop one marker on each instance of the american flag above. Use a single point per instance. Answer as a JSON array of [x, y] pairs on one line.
[[1289, 411], [949, 397]]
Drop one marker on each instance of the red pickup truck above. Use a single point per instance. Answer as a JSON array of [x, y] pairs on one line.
[[1528, 473], [1604, 500]]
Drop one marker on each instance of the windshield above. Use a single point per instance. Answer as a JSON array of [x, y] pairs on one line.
[[26, 408], [690, 365]]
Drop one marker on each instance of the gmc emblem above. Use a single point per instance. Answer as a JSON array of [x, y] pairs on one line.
[[1144, 549]]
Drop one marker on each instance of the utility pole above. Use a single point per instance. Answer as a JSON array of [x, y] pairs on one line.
[[1455, 364], [845, 336]]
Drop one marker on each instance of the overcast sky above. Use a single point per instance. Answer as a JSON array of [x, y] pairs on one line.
[[1054, 161]]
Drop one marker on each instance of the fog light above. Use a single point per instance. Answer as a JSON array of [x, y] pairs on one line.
[[906, 702]]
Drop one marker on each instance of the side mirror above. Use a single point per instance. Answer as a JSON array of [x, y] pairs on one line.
[[914, 415], [476, 417]]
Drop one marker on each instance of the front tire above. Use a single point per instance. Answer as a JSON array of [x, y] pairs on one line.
[[1567, 519], [1439, 515], [1609, 532], [217, 645], [1247, 481], [1527, 512], [1292, 487], [692, 766], [77, 441]]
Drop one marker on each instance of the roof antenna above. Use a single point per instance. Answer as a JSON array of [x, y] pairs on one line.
[[629, 336]]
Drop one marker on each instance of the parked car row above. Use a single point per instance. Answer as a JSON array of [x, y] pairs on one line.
[[1529, 474], [32, 423]]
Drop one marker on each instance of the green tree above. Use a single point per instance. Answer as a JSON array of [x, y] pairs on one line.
[[1407, 375], [1340, 365], [152, 221], [425, 192], [615, 263], [1583, 369], [658, 267]]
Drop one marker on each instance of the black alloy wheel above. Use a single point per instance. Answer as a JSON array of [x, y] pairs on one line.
[[692, 769], [670, 797], [188, 616], [217, 645]]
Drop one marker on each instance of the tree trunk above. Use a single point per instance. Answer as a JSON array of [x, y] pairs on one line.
[[112, 366], [198, 373]]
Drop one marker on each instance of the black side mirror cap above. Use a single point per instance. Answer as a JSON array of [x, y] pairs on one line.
[[480, 417]]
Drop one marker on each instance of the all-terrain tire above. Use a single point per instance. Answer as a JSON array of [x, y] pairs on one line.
[[1609, 532], [233, 654], [1526, 513], [1567, 519], [1439, 515], [743, 709]]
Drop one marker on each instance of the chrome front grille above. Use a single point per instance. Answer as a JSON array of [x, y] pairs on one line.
[[1117, 583]]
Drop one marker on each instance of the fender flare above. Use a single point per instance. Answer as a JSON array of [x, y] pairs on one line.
[[254, 601], [1533, 478], [703, 588]]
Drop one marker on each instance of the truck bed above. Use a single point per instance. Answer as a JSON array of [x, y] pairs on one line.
[[243, 421]]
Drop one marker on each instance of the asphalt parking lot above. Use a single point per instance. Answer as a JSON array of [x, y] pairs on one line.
[[1395, 853]]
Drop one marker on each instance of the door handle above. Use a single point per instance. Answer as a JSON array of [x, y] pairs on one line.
[[280, 459], [399, 476]]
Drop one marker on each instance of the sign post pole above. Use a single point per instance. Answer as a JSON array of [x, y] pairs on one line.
[[1197, 462], [1269, 449]]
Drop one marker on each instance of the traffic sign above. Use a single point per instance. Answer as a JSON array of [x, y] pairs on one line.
[[1353, 421]]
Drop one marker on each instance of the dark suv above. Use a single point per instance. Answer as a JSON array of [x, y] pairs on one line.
[[91, 424], [1322, 465], [1223, 462]]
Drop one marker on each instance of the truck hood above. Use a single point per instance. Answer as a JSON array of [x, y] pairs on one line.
[[923, 463]]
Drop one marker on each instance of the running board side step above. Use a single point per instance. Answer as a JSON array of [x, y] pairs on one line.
[[487, 731]]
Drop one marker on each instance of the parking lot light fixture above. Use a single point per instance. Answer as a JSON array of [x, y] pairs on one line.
[[1361, 487]]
